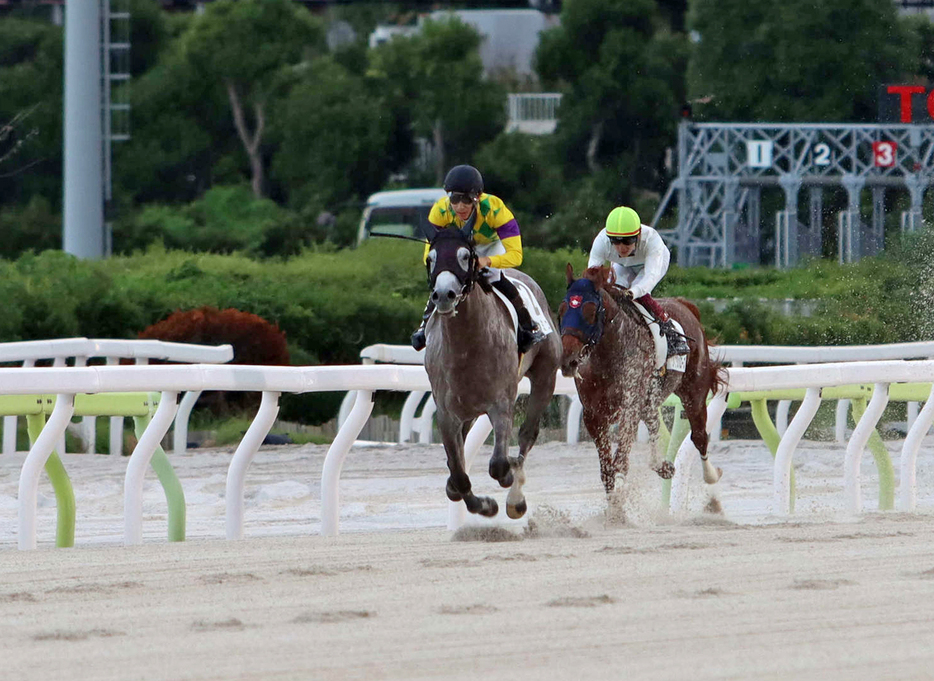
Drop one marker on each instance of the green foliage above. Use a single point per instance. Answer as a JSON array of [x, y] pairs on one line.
[[799, 60], [31, 82], [435, 80], [225, 220], [324, 169], [621, 76]]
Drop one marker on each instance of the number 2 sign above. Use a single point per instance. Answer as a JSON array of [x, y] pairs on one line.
[[883, 154]]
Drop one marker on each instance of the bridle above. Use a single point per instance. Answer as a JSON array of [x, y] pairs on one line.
[[574, 323], [467, 276]]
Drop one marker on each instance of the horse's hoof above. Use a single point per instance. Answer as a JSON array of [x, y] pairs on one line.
[[666, 471], [485, 506], [452, 493], [516, 511], [507, 481], [711, 474], [488, 507], [499, 469]]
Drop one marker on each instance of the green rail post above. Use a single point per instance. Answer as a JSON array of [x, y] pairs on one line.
[[174, 494], [61, 483], [881, 455]]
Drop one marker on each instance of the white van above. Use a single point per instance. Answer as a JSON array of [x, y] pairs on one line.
[[404, 211]]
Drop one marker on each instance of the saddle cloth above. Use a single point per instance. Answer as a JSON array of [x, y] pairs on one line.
[[674, 363], [531, 304]]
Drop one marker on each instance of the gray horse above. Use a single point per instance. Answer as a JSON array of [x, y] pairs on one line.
[[474, 368]]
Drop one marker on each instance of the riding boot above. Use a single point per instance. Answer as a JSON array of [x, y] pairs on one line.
[[677, 345], [528, 334], [418, 338]]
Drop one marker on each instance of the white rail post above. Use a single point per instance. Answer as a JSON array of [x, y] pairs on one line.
[[139, 463], [60, 445], [857, 443], [426, 422], [907, 490], [408, 415], [32, 467], [246, 450], [781, 478], [840, 416], [334, 461], [180, 432], [116, 423], [479, 432], [574, 420], [781, 416]]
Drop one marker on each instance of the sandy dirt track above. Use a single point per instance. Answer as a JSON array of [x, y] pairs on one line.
[[734, 597], [715, 601]]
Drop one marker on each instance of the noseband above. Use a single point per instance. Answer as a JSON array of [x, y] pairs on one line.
[[573, 323]]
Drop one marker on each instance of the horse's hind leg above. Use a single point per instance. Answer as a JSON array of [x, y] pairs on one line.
[[696, 412], [458, 486], [665, 469]]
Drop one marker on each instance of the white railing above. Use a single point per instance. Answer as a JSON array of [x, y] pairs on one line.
[[533, 113], [731, 355], [271, 381], [81, 350]]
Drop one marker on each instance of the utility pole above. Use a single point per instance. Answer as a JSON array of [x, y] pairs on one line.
[[83, 215]]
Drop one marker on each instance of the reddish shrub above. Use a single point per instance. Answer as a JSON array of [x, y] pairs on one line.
[[254, 341]]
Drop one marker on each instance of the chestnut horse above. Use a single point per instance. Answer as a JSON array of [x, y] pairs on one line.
[[474, 367], [609, 350]]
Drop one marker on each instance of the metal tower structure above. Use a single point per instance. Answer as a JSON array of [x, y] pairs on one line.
[[723, 168], [115, 95]]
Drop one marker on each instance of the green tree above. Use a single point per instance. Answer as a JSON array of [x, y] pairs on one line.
[[796, 60], [31, 73], [240, 47], [620, 71], [434, 79], [332, 137]]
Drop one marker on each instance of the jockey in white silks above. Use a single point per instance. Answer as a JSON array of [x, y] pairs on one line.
[[639, 259]]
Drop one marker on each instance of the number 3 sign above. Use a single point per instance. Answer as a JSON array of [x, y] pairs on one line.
[[883, 154]]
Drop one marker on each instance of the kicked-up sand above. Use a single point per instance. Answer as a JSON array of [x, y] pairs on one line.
[[562, 595]]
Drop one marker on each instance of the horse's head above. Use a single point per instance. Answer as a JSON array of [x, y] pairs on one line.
[[581, 317], [452, 265]]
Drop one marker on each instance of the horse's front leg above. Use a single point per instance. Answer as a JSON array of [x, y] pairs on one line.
[[458, 486], [599, 430], [542, 390], [500, 470]]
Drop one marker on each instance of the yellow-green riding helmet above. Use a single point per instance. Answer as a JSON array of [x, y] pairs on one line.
[[623, 223]]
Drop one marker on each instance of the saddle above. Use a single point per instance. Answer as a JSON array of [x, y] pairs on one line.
[[663, 362]]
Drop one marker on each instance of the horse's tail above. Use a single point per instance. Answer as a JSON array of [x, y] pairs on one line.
[[716, 373]]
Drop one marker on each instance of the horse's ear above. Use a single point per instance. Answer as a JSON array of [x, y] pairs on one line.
[[430, 231], [570, 273], [589, 312]]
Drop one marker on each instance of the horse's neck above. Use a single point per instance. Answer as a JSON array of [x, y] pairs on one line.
[[625, 329], [473, 319]]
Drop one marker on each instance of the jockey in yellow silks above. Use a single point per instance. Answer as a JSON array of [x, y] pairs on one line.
[[639, 259], [497, 242]]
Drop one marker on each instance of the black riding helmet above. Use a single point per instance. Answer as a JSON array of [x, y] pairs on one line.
[[466, 179]]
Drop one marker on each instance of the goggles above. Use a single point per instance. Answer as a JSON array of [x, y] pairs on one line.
[[625, 240], [461, 197]]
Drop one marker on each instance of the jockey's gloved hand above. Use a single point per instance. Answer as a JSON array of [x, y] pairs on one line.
[[627, 293]]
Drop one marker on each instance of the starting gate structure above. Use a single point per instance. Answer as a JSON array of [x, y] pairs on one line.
[[723, 168]]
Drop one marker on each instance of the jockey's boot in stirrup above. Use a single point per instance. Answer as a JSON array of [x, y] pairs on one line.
[[418, 338], [528, 333], [677, 345]]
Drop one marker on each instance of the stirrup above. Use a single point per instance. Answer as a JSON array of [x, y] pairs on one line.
[[527, 338]]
